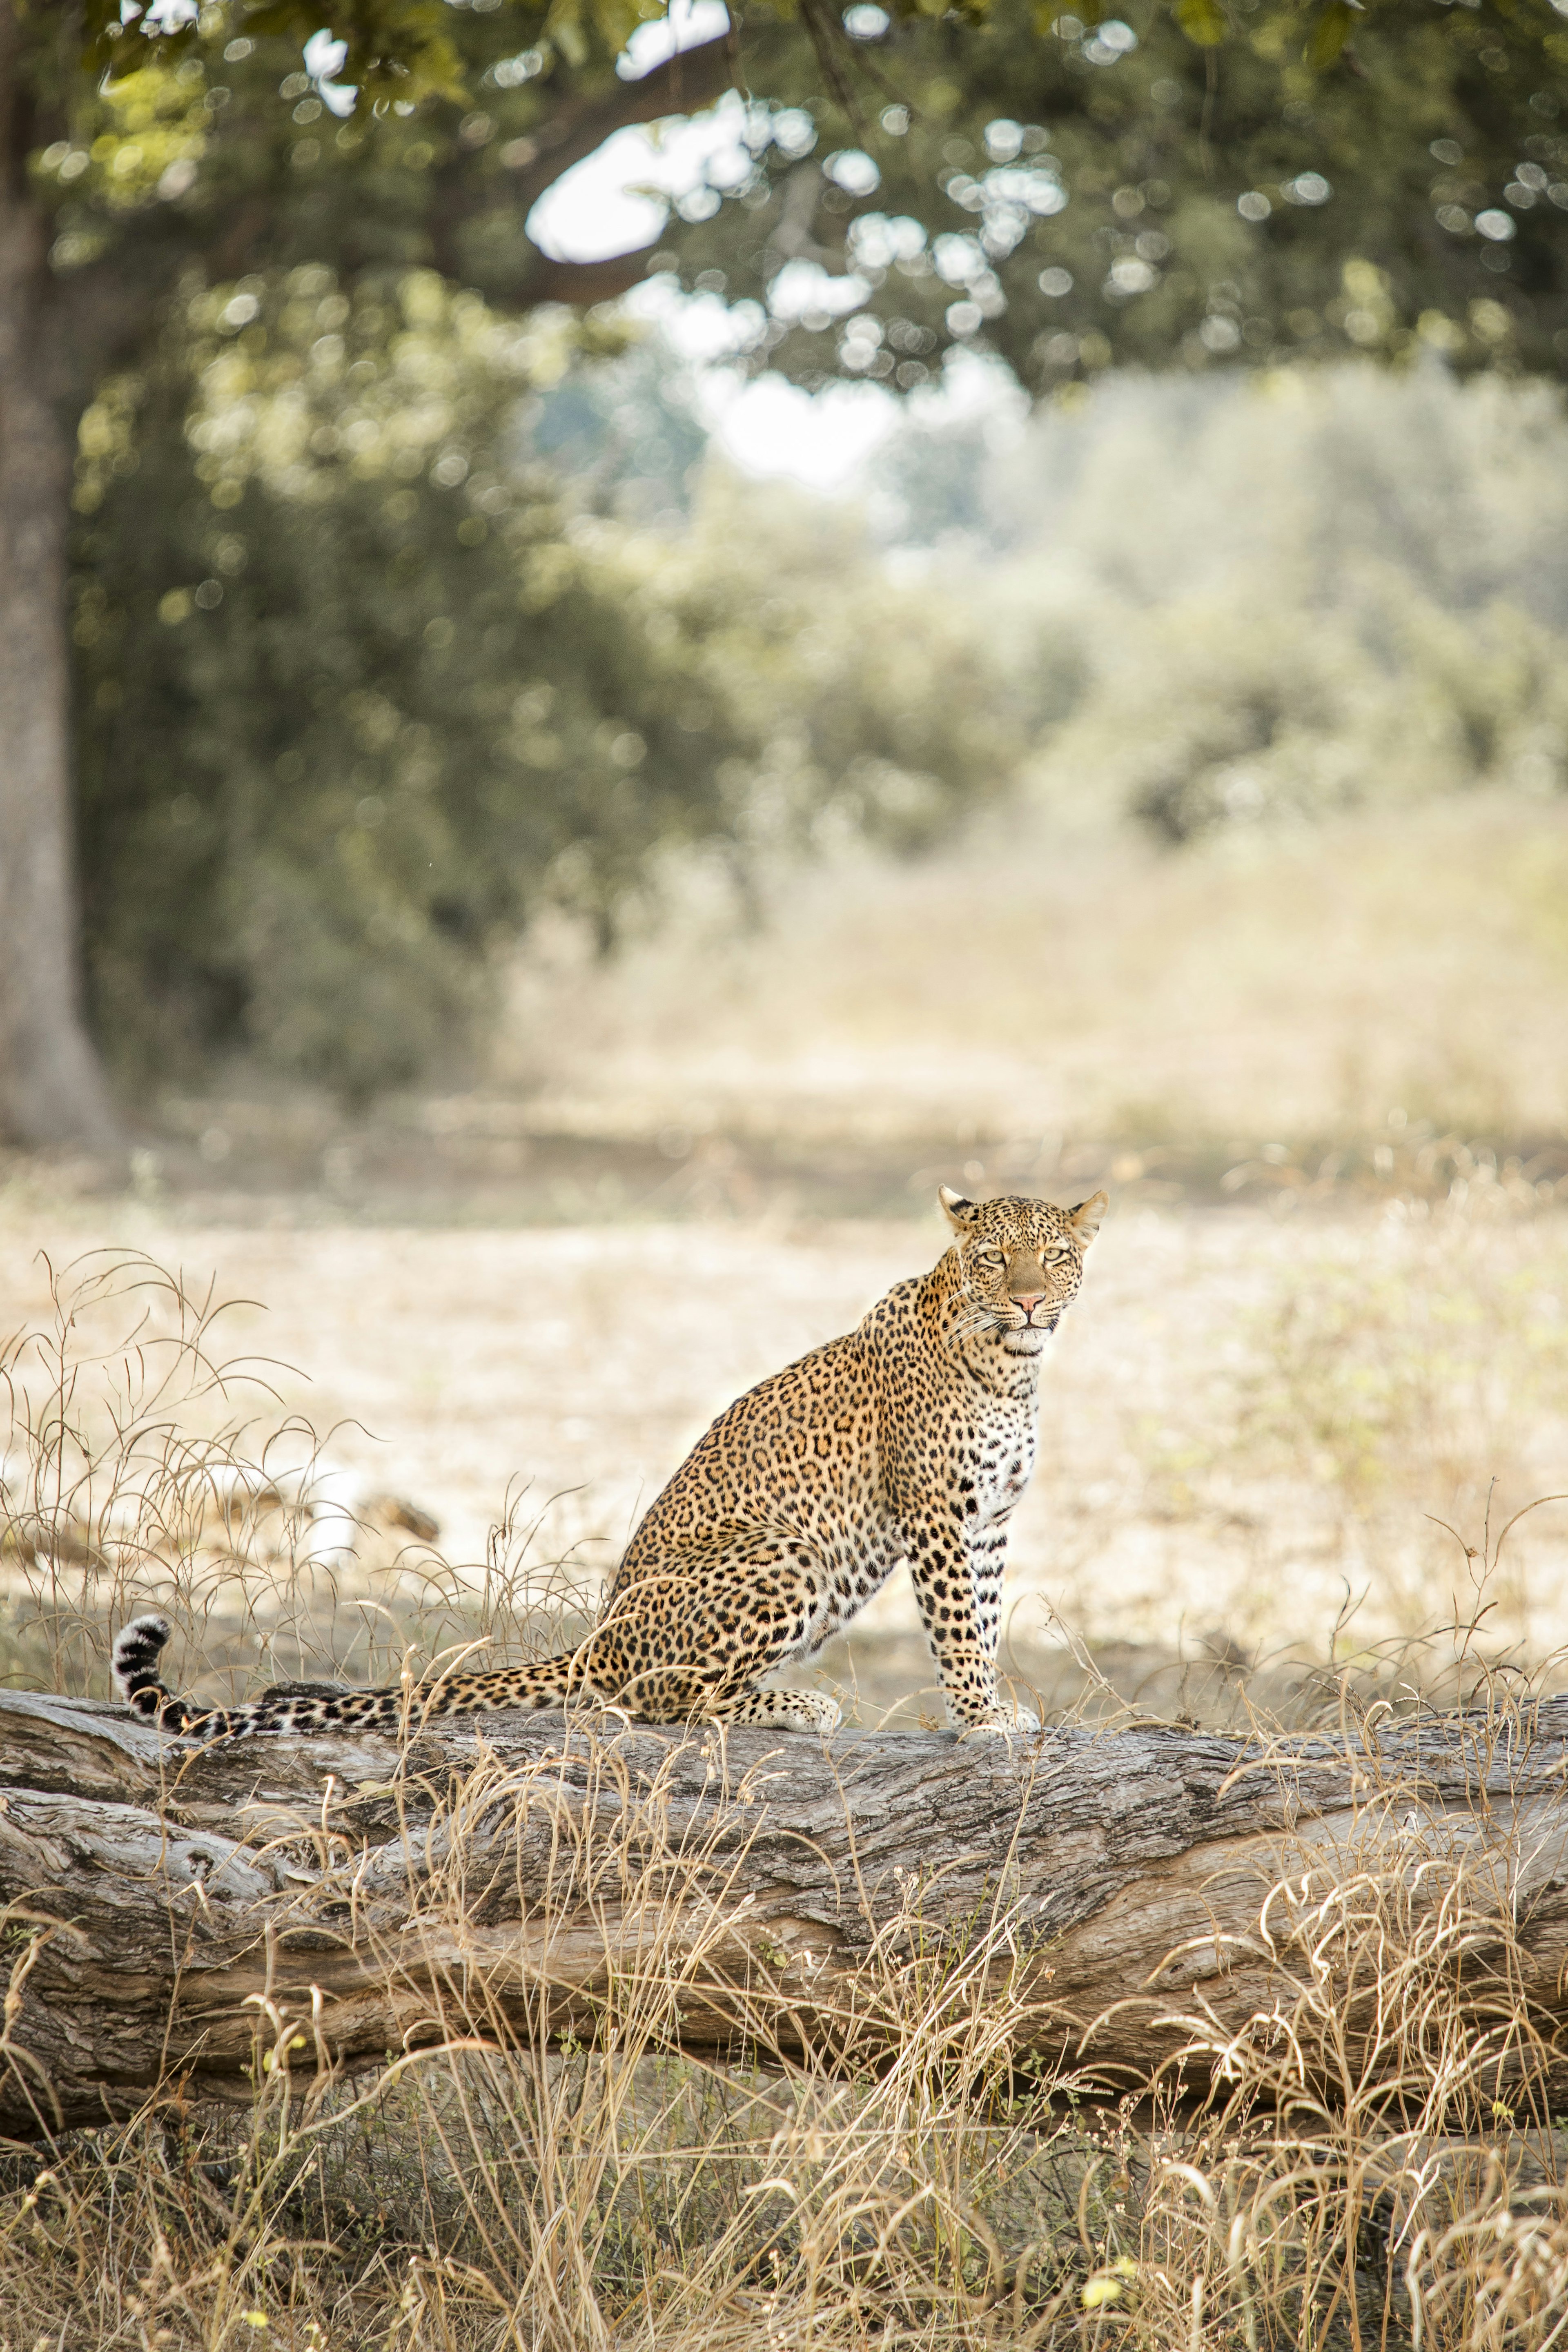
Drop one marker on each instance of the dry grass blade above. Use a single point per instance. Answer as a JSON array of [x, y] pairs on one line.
[[537, 2163]]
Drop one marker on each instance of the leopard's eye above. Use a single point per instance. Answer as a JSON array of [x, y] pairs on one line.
[[989, 1256]]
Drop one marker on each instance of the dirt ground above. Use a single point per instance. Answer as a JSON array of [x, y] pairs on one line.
[[1249, 1422]]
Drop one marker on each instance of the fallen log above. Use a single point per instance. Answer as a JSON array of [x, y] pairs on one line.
[[179, 1916]]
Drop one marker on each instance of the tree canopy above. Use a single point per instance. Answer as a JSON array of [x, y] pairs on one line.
[[1230, 183], [1088, 195]]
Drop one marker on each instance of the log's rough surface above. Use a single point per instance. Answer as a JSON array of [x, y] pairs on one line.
[[182, 1913]]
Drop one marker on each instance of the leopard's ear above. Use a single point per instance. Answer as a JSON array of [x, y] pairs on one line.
[[960, 1213], [1085, 1219]]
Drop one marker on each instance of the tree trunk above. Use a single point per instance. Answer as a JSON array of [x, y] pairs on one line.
[[1112, 1902], [51, 1088]]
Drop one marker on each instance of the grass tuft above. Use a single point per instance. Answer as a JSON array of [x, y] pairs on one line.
[[1379, 2159]]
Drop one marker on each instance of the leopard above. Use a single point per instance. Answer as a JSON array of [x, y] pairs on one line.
[[911, 1438]]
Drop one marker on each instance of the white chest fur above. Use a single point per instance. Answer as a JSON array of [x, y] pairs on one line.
[[1003, 1460]]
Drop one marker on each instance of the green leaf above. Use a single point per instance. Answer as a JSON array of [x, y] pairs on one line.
[[392, 44], [1330, 33], [1203, 21]]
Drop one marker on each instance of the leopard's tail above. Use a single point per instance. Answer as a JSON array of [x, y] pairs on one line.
[[137, 1646]]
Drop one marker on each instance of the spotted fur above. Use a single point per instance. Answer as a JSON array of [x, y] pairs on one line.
[[910, 1438]]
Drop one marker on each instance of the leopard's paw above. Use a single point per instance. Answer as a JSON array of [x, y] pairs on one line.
[[1011, 1721], [793, 1710], [809, 1711]]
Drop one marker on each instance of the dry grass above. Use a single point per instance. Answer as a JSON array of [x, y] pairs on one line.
[[1343, 2186], [1250, 1423], [499, 2191], [1286, 984], [147, 1462]]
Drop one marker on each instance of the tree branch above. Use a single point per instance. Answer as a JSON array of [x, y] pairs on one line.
[[466, 199], [684, 84], [581, 283], [1114, 1901]]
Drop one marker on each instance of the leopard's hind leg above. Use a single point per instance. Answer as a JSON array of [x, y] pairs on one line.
[[690, 1640], [689, 1694]]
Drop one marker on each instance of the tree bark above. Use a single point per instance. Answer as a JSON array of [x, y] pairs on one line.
[[51, 1087], [52, 1091], [1110, 1902]]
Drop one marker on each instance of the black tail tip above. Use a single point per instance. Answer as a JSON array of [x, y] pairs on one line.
[[134, 1658]]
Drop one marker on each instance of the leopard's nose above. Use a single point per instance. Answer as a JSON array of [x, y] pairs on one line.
[[1028, 1299]]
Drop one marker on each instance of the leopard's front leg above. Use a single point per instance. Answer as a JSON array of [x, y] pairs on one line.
[[957, 1578]]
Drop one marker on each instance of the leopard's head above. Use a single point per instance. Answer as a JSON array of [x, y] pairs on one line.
[[1019, 1263]]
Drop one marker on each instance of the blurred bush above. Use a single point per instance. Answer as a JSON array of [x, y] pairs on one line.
[[1240, 710], [359, 690], [876, 707], [1298, 595]]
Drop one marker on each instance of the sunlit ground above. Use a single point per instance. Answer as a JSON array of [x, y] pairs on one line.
[[1246, 1423], [1259, 1410]]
